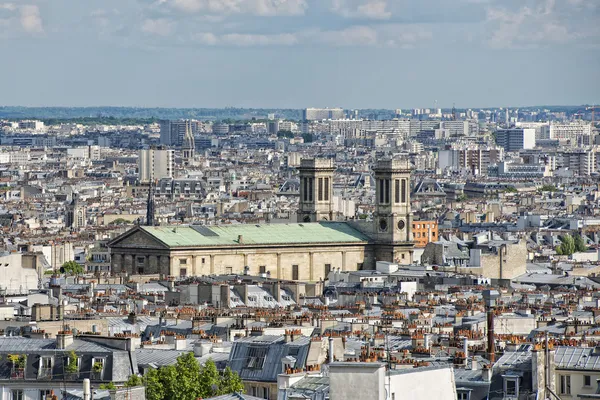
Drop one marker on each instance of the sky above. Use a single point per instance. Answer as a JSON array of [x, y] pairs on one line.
[[299, 53]]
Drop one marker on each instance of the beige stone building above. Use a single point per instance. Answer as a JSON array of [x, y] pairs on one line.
[[307, 250]]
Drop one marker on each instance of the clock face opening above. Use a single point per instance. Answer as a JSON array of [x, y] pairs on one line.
[[401, 224], [383, 225]]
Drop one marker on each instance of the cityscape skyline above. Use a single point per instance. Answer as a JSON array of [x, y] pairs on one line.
[[292, 53]]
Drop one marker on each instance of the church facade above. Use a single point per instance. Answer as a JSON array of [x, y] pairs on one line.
[[307, 250]]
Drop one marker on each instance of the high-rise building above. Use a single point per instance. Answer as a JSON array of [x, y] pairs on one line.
[[578, 132], [317, 114], [155, 163], [172, 133], [516, 139]]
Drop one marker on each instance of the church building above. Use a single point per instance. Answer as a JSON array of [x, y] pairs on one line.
[[307, 250]]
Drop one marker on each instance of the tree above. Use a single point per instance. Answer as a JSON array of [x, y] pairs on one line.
[[558, 250], [567, 247], [187, 380], [580, 244], [209, 379], [285, 134], [154, 385], [133, 381], [549, 188], [307, 137], [71, 268], [230, 382]]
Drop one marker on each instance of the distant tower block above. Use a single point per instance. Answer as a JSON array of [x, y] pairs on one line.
[[316, 190]]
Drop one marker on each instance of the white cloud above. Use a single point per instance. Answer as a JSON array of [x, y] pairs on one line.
[[31, 21], [8, 6], [245, 39], [543, 22], [353, 36], [158, 26], [253, 7], [370, 9]]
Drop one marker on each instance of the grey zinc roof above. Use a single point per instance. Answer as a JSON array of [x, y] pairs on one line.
[[585, 358]]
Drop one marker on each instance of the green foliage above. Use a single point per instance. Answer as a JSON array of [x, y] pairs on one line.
[[567, 247], [108, 386], [97, 367], [549, 188], [187, 380], [133, 381], [230, 382], [580, 244], [558, 250], [17, 360], [308, 138], [462, 197], [71, 366], [285, 134], [510, 189], [71, 268]]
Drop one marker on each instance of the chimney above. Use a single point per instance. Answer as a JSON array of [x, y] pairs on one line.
[[427, 341], [87, 392], [466, 350], [64, 339], [240, 239], [287, 336], [132, 318], [330, 350], [486, 373]]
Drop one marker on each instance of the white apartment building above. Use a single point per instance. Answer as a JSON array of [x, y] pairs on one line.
[[542, 129], [571, 131], [155, 164], [317, 114], [31, 125]]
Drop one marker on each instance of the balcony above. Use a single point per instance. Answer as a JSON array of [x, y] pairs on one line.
[[17, 373], [45, 373]]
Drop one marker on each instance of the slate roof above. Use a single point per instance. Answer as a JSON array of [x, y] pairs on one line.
[[274, 349], [322, 232], [119, 364]]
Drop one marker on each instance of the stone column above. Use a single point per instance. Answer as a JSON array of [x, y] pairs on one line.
[[343, 260], [153, 265], [279, 272], [212, 264], [195, 261], [163, 268], [311, 266], [128, 264], [116, 263]]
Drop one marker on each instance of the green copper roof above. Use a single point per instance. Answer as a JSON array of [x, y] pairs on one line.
[[325, 232]]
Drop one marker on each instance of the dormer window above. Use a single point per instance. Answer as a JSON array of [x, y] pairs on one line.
[[511, 386], [45, 371]]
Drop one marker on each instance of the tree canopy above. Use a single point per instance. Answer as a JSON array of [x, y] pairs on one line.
[[71, 268], [187, 380], [567, 247]]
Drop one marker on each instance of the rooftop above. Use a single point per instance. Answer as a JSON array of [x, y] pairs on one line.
[[322, 232]]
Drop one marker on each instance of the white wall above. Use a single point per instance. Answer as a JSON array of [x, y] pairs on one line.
[[417, 384], [14, 277]]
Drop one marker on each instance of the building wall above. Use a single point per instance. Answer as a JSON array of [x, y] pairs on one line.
[[424, 232], [357, 381], [279, 261], [510, 265], [417, 385]]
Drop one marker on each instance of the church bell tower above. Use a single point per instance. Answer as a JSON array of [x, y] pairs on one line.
[[392, 217], [316, 190]]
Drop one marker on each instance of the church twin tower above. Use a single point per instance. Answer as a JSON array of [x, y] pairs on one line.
[[391, 228]]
